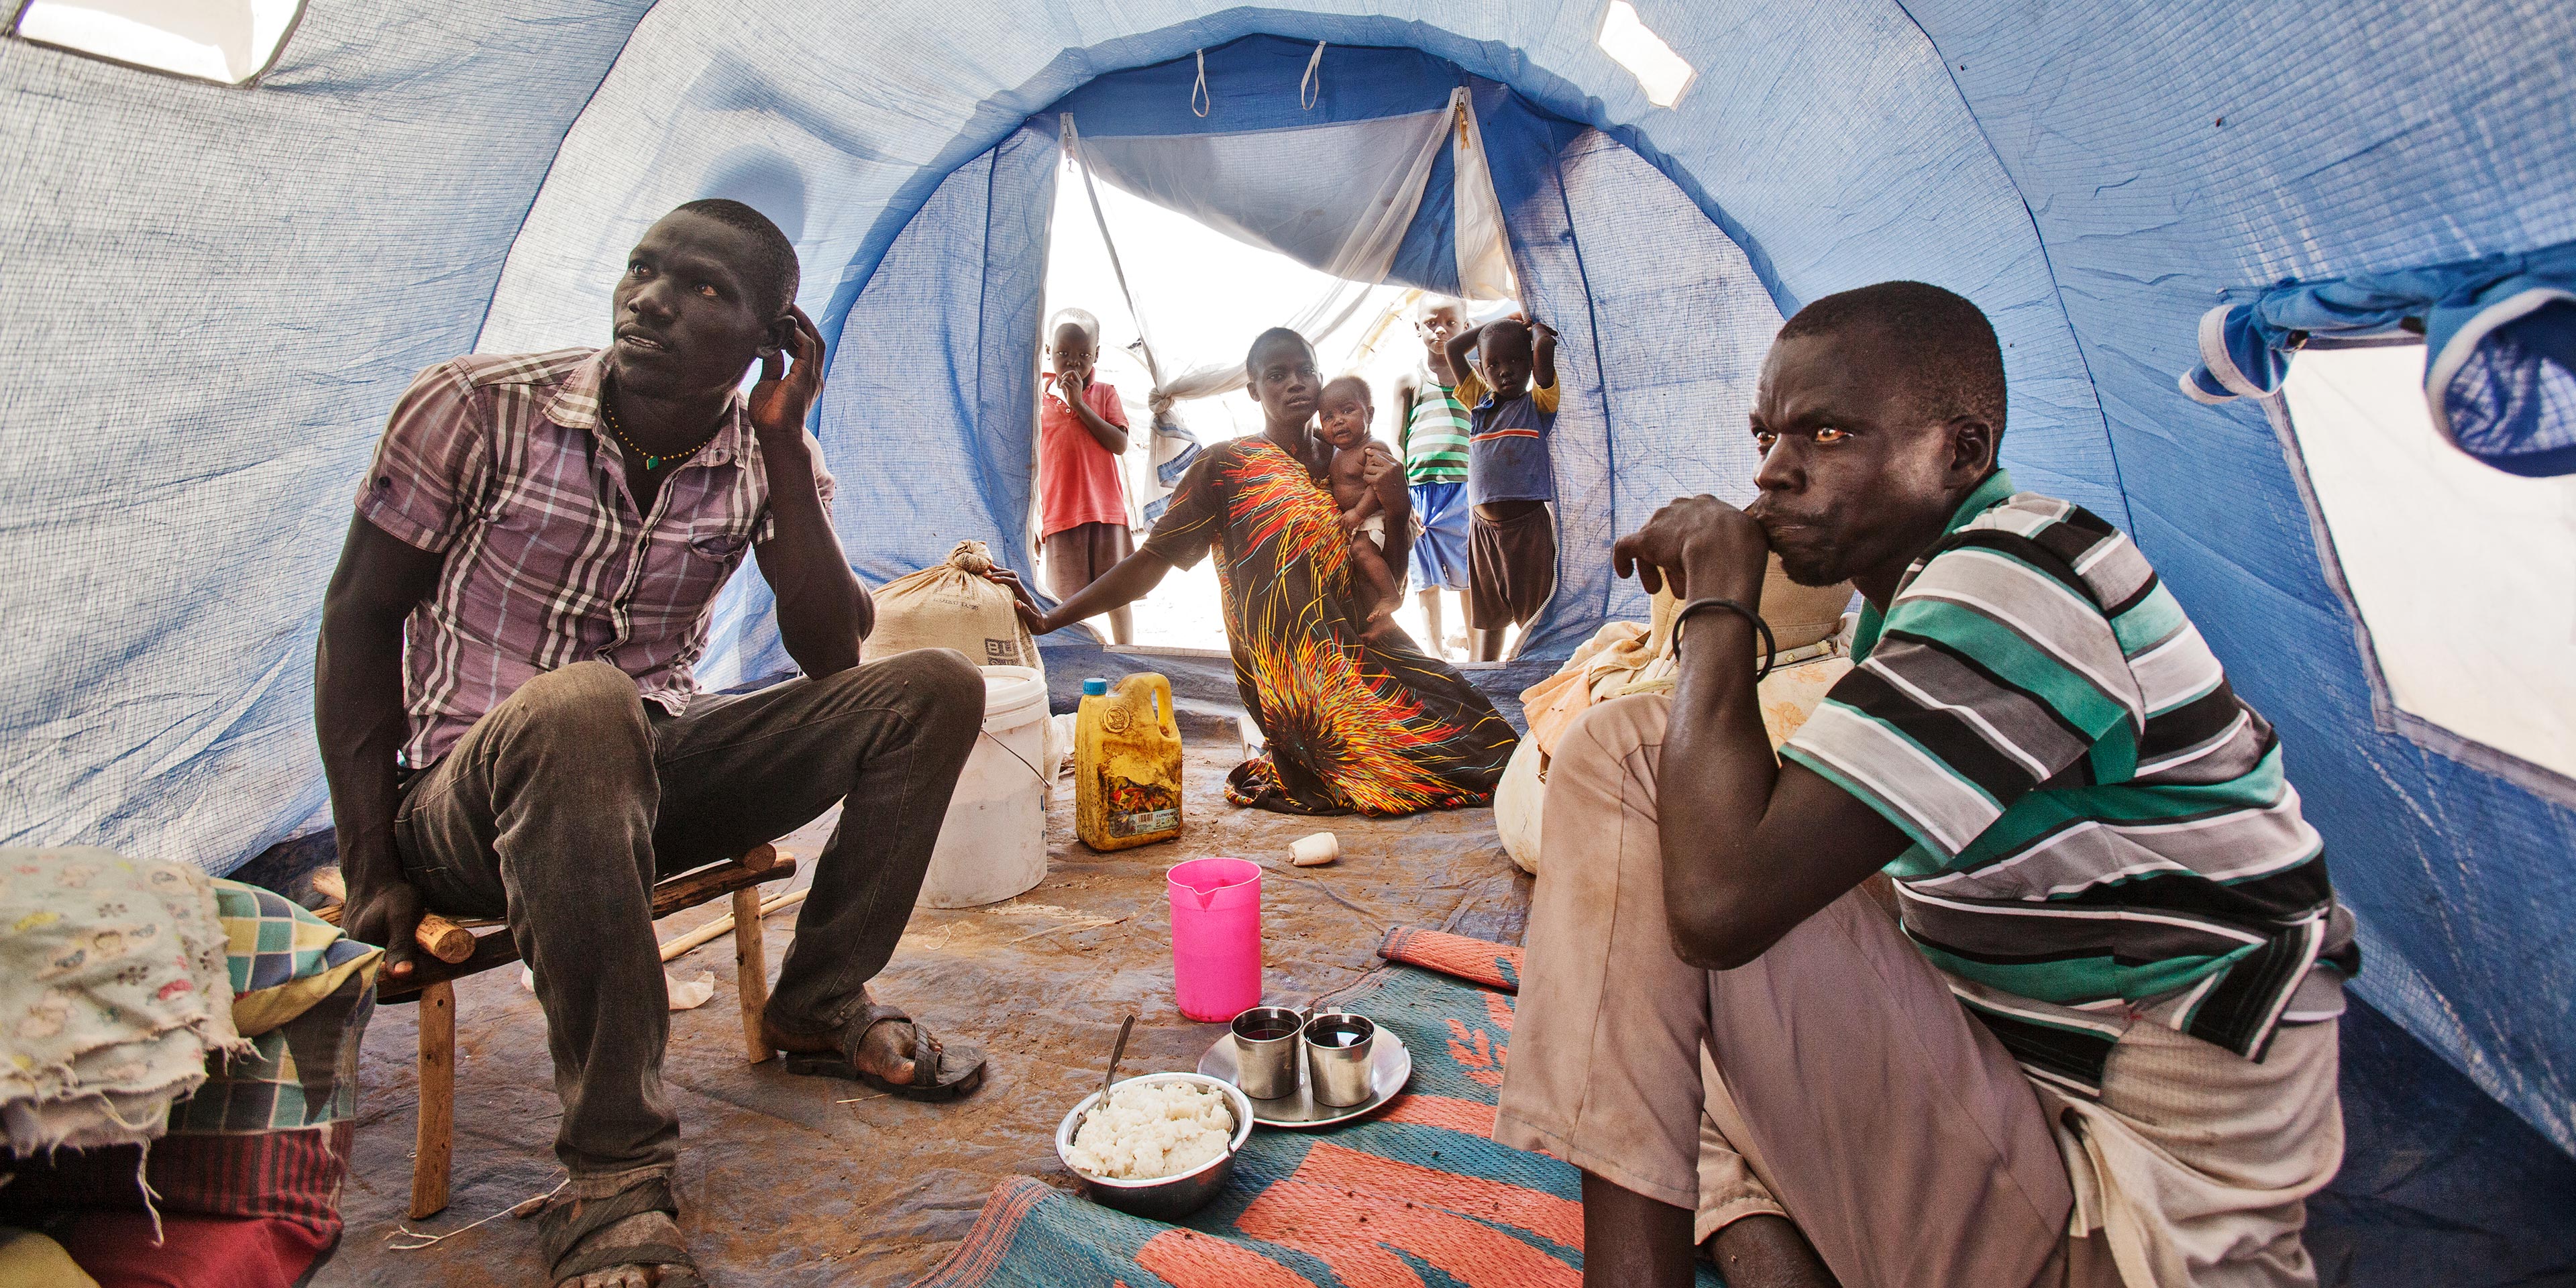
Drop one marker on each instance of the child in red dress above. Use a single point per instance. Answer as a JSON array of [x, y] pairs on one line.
[[1082, 433]]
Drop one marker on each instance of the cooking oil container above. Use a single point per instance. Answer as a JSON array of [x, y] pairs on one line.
[[1126, 763]]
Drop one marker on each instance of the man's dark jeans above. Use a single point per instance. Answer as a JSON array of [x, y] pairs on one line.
[[562, 804]]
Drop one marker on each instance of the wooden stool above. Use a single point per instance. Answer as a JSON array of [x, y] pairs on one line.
[[433, 986]]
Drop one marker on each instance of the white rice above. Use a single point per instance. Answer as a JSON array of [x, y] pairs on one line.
[[1150, 1131]]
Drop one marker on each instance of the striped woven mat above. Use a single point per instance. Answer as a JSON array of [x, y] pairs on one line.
[[1417, 1194], [1477, 961]]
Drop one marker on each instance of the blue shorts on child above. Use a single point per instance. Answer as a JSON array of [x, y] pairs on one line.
[[1440, 553]]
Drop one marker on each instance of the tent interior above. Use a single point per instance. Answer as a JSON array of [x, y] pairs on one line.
[[218, 290]]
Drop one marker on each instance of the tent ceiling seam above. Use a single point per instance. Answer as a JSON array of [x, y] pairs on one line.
[[535, 193], [984, 280], [2048, 263]]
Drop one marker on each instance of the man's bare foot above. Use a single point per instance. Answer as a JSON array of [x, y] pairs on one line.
[[886, 1051], [643, 1227], [883, 1048], [608, 1235]]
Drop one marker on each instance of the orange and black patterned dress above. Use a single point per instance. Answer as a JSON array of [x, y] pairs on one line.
[[1352, 726]]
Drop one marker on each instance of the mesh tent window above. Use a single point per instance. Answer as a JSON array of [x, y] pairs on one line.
[[2460, 578]]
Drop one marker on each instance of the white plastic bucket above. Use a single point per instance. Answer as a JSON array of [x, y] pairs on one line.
[[992, 845]]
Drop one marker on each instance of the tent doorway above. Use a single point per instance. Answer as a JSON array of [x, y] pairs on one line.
[[929, 415], [1236, 184], [1212, 294]]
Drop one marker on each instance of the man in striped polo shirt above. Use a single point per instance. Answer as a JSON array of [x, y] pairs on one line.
[[1431, 434], [2101, 1047]]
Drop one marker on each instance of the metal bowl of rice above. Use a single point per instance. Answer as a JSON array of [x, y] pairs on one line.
[[1124, 1163]]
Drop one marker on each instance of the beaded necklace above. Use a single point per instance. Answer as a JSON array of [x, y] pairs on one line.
[[608, 413]]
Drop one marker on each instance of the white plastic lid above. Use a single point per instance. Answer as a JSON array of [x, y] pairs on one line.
[[1009, 688]]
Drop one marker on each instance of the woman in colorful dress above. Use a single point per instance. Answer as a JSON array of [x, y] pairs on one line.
[[1375, 727]]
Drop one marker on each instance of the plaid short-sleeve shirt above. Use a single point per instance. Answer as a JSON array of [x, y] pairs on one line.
[[499, 463]]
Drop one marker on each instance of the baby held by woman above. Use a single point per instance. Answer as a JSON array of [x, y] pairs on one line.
[[1347, 408]]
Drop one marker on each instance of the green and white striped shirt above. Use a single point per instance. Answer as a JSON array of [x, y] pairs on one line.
[[2098, 819], [1435, 441]]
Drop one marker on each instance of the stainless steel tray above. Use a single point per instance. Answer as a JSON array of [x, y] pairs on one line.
[[1390, 1067]]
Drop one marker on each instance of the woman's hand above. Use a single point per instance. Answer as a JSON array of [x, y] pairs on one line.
[[1386, 474], [1021, 601]]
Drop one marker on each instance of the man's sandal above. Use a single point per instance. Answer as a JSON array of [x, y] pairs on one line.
[[940, 1070], [565, 1227]]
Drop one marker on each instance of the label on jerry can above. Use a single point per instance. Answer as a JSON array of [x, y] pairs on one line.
[[1139, 809]]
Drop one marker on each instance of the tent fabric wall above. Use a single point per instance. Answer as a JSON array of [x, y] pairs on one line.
[[214, 295], [937, 358], [217, 293], [933, 395], [2151, 209], [1680, 366], [1238, 86]]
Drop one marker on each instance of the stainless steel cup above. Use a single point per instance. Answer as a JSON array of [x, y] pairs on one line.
[[1338, 1048], [1266, 1045]]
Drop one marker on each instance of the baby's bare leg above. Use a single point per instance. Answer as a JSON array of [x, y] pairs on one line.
[[1375, 581]]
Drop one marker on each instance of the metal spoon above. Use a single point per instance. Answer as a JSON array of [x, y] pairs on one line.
[[1115, 1053]]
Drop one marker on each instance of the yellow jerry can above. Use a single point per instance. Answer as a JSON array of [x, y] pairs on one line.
[[1126, 764]]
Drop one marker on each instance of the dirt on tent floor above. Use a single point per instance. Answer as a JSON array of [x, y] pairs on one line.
[[781, 1183]]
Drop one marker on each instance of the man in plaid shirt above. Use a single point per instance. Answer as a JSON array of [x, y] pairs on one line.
[[511, 727]]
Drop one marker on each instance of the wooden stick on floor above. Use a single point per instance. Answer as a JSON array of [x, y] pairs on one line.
[[681, 944], [751, 970], [434, 1137]]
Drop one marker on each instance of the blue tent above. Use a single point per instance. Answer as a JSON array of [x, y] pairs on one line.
[[214, 293]]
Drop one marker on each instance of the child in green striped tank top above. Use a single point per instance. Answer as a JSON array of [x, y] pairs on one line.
[[1431, 436]]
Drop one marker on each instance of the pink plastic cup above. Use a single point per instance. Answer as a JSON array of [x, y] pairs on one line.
[[1216, 937]]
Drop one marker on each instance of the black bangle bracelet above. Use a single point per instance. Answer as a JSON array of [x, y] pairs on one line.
[[1770, 646]]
